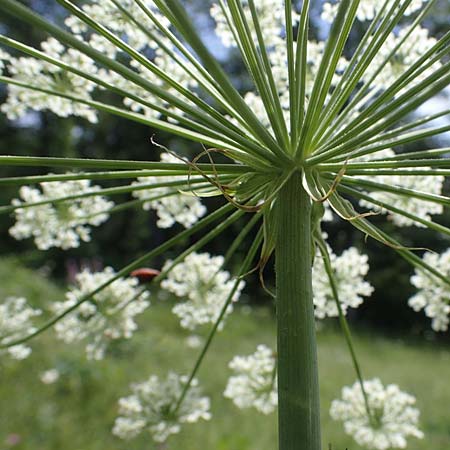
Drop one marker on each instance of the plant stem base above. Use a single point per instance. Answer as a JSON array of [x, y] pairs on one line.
[[298, 386]]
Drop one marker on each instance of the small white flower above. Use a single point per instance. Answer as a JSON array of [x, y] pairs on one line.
[[394, 416], [434, 294], [108, 316], [59, 224], [367, 9], [181, 208], [413, 47], [50, 376], [43, 74], [194, 341], [15, 323], [206, 287], [109, 15], [152, 408], [254, 383], [421, 183], [270, 17], [349, 269]]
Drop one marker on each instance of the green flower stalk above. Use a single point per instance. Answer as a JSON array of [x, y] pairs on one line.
[[325, 128]]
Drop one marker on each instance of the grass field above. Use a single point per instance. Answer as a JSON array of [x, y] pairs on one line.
[[77, 412]]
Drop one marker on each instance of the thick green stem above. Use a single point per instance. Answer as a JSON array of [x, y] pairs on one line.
[[298, 386]]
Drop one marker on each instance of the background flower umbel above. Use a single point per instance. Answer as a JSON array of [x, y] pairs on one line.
[[15, 323], [60, 223], [173, 206], [108, 316], [433, 295], [200, 279], [394, 418], [152, 407], [254, 383], [349, 271]]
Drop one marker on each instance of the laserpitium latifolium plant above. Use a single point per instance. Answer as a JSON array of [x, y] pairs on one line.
[[325, 129]]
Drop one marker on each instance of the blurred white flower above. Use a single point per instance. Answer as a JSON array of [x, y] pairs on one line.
[[254, 383], [15, 323], [367, 9], [50, 376], [270, 18], [3, 57], [349, 271], [109, 15], [181, 208], [59, 224], [194, 341], [394, 417], [35, 72], [416, 43], [434, 294], [206, 287], [107, 316], [421, 183], [152, 408]]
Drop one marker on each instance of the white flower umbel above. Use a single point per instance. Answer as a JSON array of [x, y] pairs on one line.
[[106, 13], [206, 287], [35, 72], [421, 183], [434, 294], [152, 408], [415, 44], [367, 9], [15, 323], [108, 316], [394, 416], [254, 384], [270, 17], [109, 15], [59, 224], [349, 271], [178, 208]]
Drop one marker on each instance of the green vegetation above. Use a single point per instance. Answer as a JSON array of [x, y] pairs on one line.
[[77, 412]]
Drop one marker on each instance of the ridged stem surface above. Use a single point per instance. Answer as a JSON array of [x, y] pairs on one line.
[[298, 386]]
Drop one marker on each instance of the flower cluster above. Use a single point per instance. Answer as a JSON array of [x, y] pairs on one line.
[[254, 383], [434, 294], [409, 44], [206, 286], [271, 16], [39, 73], [59, 223], [15, 323], [107, 316], [107, 14], [413, 44], [153, 407], [367, 9], [170, 205], [421, 183], [393, 416], [349, 269], [147, 42]]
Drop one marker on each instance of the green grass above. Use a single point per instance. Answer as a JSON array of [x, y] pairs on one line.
[[78, 411]]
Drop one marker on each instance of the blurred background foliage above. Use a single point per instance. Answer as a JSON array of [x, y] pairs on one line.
[[127, 235], [77, 411]]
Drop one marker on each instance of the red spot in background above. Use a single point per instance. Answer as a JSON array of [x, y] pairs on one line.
[[145, 274]]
